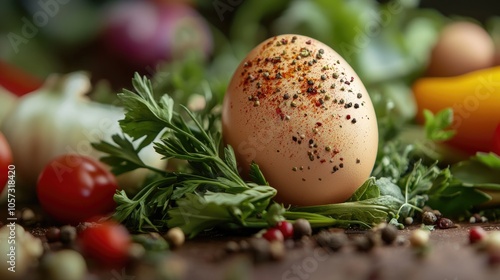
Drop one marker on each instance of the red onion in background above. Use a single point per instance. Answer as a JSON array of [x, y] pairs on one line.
[[145, 33]]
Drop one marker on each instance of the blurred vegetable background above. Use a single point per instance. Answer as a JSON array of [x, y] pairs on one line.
[[181, 42], [185, 45]]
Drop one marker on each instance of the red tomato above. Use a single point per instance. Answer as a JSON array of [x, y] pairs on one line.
[[107, 243], [16, 80], [75, 188], [5, 161], [273, 234], [477, 234], [496, 141], [286, 228]]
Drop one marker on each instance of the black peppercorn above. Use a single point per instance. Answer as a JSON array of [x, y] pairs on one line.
[[68, 234], [429, 218], [364, 243], [388, 234], [53, 234], [301, 227], [260, 249], [232, 247], [333, 241]]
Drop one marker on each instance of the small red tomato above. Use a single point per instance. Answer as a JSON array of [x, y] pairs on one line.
[[17, 80], [5, 161], [477, 234], [75, 188], [273, 234], [496, 141], [286, 228], [107, 243]]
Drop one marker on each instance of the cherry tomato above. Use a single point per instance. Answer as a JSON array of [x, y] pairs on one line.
[[477, 234], [5, 161], [16, 80], [273, 234], [286, 228], [496, 141], [107, 243], [74, 188]]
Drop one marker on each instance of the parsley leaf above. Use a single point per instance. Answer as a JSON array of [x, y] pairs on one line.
[[436, 125]]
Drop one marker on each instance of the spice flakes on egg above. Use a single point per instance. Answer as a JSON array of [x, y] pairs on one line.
[[313, 109]]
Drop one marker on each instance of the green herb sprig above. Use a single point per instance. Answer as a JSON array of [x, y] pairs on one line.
[[213, 194]]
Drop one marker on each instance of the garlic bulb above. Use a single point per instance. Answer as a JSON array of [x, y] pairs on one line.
[[59, 119], [27, 251]]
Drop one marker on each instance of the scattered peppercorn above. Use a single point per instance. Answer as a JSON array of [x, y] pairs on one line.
[[445, 223], [493, 245], [364, 243], [136, 251], [53, 234], [301, 227], [83, 226], [429, 218], [419, 238], [68, 234], [28, 217], [232, 247], [277, 250], [244, 245], [437, 213], [63, 265], [175, 237], [331, 240], [388, 234], [260, 248]]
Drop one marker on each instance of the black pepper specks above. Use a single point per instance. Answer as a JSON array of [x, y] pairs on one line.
[[359, 95], [354, 120], [304, 53]]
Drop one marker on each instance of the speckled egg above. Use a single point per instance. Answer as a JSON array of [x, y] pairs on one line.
[[296, 108]]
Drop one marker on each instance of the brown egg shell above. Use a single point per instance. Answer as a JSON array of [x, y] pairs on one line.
[[462, 47], [297, 109]]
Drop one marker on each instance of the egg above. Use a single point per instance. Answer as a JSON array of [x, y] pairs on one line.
[[296, 108], [462, 47]]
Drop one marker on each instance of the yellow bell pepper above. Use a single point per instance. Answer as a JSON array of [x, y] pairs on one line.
[[475, 100]]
